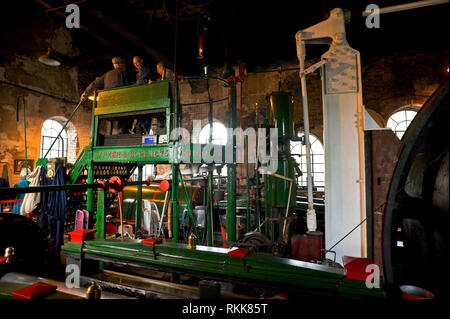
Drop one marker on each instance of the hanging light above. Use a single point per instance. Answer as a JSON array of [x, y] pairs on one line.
[[49, 59]]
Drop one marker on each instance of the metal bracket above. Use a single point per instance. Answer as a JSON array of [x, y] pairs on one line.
[[315, 66]]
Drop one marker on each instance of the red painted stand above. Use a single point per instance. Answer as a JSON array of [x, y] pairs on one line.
[[81, 235], [356, 267]]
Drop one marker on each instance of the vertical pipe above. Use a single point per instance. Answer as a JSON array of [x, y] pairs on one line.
[[210, 173], [175, 227], [231, 199], [90, 177], [100, 220], [175, 166], [100, 215], [362, 175], [188, 205], [248, 183], [139, 202], [210, 209], [258, 206], [311, 218], [25, 136]]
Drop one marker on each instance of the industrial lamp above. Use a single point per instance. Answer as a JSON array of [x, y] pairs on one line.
[[49, 59]]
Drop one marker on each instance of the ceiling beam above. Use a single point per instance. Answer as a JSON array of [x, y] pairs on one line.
[[87, 30], [127, 35]]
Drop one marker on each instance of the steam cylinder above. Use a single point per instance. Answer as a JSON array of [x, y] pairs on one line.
[[280, 116]]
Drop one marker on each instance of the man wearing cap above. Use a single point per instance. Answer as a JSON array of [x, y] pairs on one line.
[[110, 79]]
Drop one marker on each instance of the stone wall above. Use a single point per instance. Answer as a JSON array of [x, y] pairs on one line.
[[389, 82], [48, 92]]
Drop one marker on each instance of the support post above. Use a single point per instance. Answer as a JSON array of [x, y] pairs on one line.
[[176, 165], [100, 215], [231, 199], [139, 202], [194, 226], [210, 197], [90, 177], [248, 223]]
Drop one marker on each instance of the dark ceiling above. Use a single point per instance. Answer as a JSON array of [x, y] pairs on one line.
[[257, 32]]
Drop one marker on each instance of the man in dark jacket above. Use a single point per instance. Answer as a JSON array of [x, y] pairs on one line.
[[143, 71], [110, 79]]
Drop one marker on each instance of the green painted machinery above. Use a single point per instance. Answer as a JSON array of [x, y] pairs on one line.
[[259, 269]]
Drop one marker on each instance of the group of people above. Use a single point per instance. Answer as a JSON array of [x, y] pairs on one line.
[[118, 77]]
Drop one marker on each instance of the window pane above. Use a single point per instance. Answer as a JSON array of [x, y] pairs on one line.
[[51, 129], [219, 134], [400, 121], [317, 160]]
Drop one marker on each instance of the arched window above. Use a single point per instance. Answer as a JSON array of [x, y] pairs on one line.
[[400, 120], [298, 151], [219, 137], [219, 134], [49, 132]]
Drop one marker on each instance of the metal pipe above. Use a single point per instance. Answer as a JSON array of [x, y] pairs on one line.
[[188, 206], [407, 6], [231, 168], [210, 209], [100, 215], [311, 216], [121, 216], [166, 200], [37, 91], [53, 188], [139, 202], [248, 183], [175, 166], [258, 206], [361, 157], [25, 135], [169, 220], [90, 175]]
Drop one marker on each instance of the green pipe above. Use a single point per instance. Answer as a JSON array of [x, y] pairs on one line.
[[258, 207], [25, 136], [231, 197], [100, 220], [210, 210], [100, 215], [175, 227], [248, 183], [139, 201], [188, 205], [90, 177], [175, 166]]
